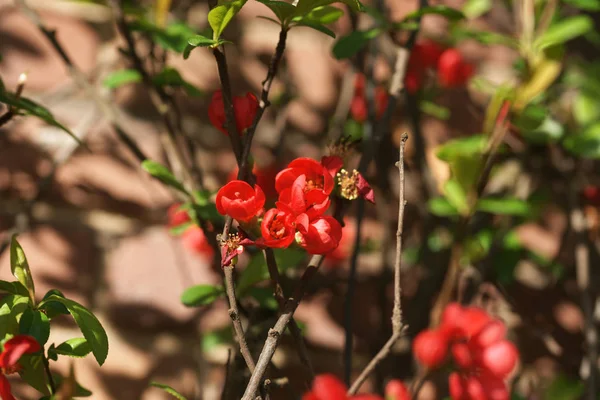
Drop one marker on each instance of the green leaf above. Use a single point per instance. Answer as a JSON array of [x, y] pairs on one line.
[[264, 297], [317, 27], [76, 347], [587, 5], [13, 288], [89, 325], [179, 229], [460, 33], [456, 196], [20, 267], [441, 207], [564, 388], [36, 324], [257, 270], [434, 110], [30, 107], [122, 77], [282, 10], [585, 144], [537, 126], [171, 77], [306, 6], [564, 30], [347, 46], [321, 15], [53, 309], [586, 108], [448, 12], [163, 174], [169, 390], [33, 372], [11, 307], [201, 295], [505, 206], [476, 8], [462, 147], [197, 41], [220, 16], [174, 37]]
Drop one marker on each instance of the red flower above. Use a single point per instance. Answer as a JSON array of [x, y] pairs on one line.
[[240, 201], [328, 387], [265, 178], [322, 236], [591, 195], [244, 107], [278, 228], [424, 56], [177, 216], [305, 185], [396, 390], [195, 240], [333, 164], [341, 253], [479, 349], [453, 70], [430, 348], [14, 349]]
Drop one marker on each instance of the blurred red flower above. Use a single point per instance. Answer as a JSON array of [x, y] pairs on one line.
[[322, 236], [13, 350], [244, 107], [194, 239], [396, 390], [453, 70], [329, 387]]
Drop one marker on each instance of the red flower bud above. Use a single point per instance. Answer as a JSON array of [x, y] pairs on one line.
[[240, 201], [453, 70], [396, 390], [430, 348], [322, 236], [244, 108], [278, 228]]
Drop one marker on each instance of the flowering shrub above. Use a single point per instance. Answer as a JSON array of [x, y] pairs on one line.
[[479, 350]]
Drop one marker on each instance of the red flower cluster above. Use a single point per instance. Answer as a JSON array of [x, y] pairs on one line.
[[193, 237], [244, 108], [14, 349], [479, 349], [304, 188], [451, 67], [358, 106], [328, 387]]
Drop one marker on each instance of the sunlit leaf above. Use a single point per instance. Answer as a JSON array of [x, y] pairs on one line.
[[122, 77], [20, 267], [564, 30], [476, 8], [505, 206], [220, 16], [282, 10], [35, 323], [163, 174], [585, 144]]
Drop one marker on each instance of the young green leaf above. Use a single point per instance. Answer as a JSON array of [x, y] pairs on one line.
[[76, 347], [476, 8], [163, 174], [201, 295], [174, 37], [441, 207], [306, 6], [20, 267], [321, 15], [197, 41], [53, 309], [169, 390], [506, 206], [462, 147], [220, 16], [347, 46], [587, 5], [11, 308], [13, 288], [456, 195], [171, 77], [450, 13], [89, 325], [30, 107], [121, 78], [282, 10], [317, 27], [585, 144], [564, 30], [35, 323]]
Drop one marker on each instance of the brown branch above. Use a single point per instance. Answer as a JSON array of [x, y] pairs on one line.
[[242, 156], [235, 318], [280, 297], [397, 310], [276, 332]]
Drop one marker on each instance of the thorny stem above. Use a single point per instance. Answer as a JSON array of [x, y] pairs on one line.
[[397, 310]]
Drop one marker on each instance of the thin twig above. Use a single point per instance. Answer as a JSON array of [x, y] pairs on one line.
[[275, 333], [280, 297], [397, 310], [49, 374]]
